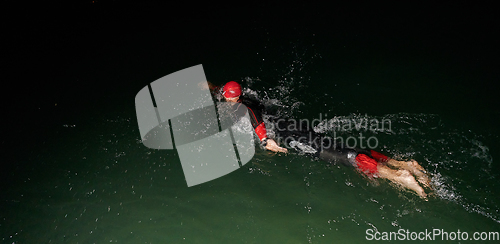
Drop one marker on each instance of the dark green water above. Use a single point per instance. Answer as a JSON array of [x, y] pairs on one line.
[[74, 169]]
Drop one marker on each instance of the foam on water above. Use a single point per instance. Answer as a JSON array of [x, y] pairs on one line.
[[449, 155], [440, 149], [411, 136]]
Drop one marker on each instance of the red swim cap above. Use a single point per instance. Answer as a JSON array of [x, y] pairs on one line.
[[231, 89]]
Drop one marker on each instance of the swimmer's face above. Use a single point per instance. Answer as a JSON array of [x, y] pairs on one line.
[[232, 99]]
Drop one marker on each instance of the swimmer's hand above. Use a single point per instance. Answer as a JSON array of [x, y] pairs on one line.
[[273, 146], [211, 86]]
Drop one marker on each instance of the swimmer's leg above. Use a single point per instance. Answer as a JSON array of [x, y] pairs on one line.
[[401, 177], [413, 167]]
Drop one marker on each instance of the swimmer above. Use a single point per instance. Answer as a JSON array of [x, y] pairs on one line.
[[374, 164]]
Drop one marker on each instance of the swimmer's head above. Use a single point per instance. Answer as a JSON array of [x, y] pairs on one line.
[[231, 90]]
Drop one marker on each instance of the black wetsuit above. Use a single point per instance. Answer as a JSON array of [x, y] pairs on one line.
[[255, 110], [304, 140]]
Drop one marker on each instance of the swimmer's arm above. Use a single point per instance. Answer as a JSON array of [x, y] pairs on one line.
[[215, 91], [211, 86]]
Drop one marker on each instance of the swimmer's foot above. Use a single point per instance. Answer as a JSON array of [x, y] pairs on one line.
[[422, 194], [425, 198], [412, 163], [419, 172], [424, 181]]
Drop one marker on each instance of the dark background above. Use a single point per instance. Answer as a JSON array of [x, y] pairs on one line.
[[99, 54], [71, 73]]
